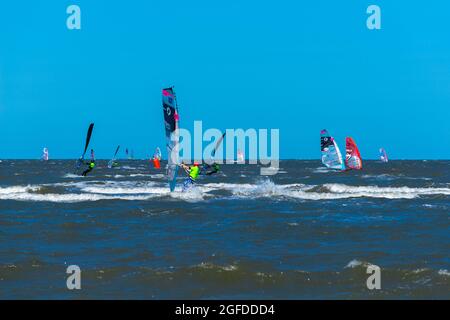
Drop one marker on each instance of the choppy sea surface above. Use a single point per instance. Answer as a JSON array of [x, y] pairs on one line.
[[305, 233]]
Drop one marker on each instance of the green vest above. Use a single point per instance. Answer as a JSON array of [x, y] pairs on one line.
[[92, 165], [194, 172]]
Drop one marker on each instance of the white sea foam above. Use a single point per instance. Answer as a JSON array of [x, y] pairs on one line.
[[328, 191], [444, 272], [72, 176], [385, 192], [125, 190], [17, 189], [392, 177], [86, 190], [193, 195], [354, 263], [68, 198], [323, 170]]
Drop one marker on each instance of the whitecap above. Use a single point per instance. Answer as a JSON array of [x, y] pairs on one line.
[[444, 272]]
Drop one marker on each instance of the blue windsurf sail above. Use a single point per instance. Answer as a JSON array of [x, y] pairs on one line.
[[171, 123], [331, 155]]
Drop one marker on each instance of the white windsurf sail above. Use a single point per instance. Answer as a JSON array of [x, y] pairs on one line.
[[331, 155], [157, 154], [45, 154], [112, 162], [383, 155], [171, 122], [240, 157]]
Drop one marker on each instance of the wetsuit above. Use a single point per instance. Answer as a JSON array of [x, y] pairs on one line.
[[91, 166], [212, 169], [194, 171]]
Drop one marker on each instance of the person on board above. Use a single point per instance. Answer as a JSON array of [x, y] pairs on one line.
[[192, 172], [90, 164], [113, 164], [211, 168]]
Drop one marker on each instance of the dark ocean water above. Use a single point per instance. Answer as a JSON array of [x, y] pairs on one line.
[[306, 232]]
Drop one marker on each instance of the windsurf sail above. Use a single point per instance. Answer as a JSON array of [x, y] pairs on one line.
[[218, 143], [45, 154], [157, 158], [117, 151], [240, 157], [171, 122], [331, 155], [157, 154], [352, 157], [88, 139], [383, 155], [126, 152], [111, 162]]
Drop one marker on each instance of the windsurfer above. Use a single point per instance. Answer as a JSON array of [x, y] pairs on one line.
[[211, 169], [192, 172], [90, 164]]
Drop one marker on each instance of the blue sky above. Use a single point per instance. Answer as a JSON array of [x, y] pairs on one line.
[[293, 65]]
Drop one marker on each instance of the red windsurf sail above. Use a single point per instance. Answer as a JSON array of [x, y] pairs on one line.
[[352, 158]]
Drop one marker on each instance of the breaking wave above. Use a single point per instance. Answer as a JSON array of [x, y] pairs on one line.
[[145, 190]]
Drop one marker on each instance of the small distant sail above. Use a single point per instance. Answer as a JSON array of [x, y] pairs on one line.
[[352, 157], [171, 123], [331, 155], [113, 160], [383, 155], [157, 154], [126, 152], [45, 154], [157, 158], [240, 157]]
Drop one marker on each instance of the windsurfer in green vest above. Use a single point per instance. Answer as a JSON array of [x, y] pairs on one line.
[[90, 164], [192, 172]]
